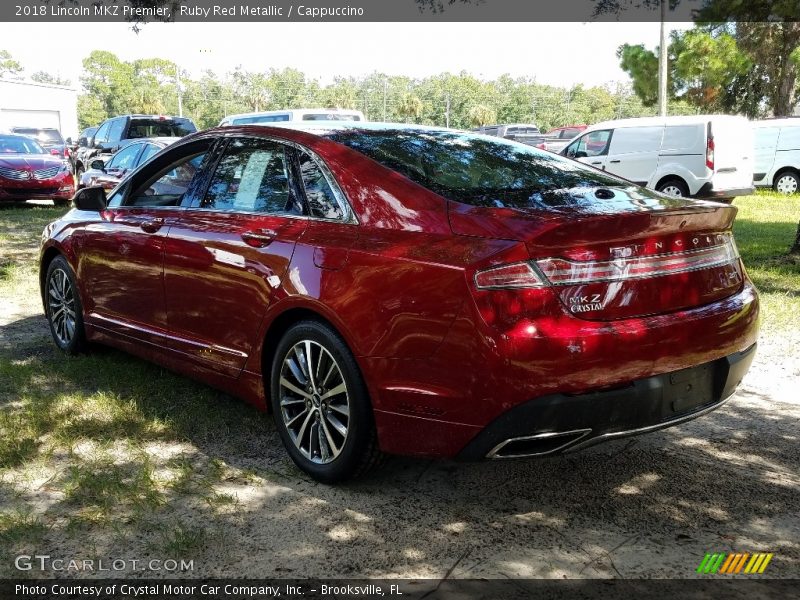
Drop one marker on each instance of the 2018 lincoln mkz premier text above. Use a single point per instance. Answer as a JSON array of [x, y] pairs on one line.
[[402, 289]]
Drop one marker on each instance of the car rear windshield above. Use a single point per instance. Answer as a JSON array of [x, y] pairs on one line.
[[478, 170], [43, 136], [147, 128]]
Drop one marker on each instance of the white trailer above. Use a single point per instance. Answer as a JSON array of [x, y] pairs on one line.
[[31, 104]]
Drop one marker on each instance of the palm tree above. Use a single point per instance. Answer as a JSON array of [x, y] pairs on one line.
[[480, 115], [146, 100], [410, 107]]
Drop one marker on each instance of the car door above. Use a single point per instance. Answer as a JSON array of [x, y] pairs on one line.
[[227, 255], [591, 148], [121, 258], [118, 166], [633, 153]]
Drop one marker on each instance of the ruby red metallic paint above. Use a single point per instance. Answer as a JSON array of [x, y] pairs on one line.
[[441, 359]]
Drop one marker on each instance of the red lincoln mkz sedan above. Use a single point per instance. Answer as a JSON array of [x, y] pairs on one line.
[[27, 171], [410, 290]]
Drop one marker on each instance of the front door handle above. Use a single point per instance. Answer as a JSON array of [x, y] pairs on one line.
[[600, 162], [613, 161], [259, 238], [151, 225]]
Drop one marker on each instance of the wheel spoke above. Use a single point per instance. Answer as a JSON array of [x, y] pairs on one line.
[[342, 410], [301, 359], [339, 389], [292, 387], [329, 438], [296, 372], [298, 440], [337, 424], [288, 401], [296, 418], [310, 364]]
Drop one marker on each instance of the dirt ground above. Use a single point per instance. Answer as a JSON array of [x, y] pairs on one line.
[[647, 507]]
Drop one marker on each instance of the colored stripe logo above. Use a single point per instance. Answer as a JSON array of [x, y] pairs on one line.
[[733, 564]]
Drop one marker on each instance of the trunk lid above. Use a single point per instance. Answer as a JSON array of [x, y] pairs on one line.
[[614, 253]]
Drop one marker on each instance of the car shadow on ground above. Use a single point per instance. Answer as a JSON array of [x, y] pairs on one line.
[[109, 455]]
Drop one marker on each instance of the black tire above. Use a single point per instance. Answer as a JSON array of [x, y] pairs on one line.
[[674, 187], [61, 292], [787, 182], [296, 416]]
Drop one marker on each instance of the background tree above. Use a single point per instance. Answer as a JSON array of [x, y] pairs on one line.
[[49, 78], [410, 108], [9, 67], [480, 115]]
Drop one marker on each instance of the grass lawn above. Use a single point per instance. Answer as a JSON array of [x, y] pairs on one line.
[[104, 451]]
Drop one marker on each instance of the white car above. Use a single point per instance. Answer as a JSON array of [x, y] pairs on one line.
[[706, 156], [297, 114], [777, 150]]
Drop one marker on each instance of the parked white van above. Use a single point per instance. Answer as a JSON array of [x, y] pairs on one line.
[[707, 156], [777, 149], [299, 114]]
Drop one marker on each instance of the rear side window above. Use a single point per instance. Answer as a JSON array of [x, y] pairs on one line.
[[330, 117], [686, 138], [477, 170], [149, 150], [630, 140], [321, 199], [252, 176], [789, 139]]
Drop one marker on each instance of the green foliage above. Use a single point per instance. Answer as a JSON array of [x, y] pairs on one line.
[[8, 66], [642, 65], [45, 77]]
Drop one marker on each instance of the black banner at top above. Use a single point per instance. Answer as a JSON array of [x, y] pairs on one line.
[[145, 11]]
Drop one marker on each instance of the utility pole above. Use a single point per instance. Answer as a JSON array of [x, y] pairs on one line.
[[385, 89], [178, 87], [662, 62], [447, 110]]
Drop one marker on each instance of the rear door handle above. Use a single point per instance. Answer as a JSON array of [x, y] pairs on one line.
[[258, 238], [600, 162], [613, 161], [151, 225]]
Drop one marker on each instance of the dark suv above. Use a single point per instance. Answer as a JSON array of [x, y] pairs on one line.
[[49, 138], [116, 132]]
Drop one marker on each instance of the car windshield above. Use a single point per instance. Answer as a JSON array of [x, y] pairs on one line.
[[12, 144], [478, 170], [148, 128], [44, 136]]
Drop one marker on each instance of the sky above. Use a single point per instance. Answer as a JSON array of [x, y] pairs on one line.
[[561, 54]]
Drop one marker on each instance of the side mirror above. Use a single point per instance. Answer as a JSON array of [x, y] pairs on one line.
[[581, 154], [90, 198], [98, 165]]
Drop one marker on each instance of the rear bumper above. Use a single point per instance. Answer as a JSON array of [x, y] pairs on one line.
[[563, 423], [707, 191]]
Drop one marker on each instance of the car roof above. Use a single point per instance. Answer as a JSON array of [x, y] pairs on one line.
[[325, 127], [784, 122], [267, 113], [656, 121]]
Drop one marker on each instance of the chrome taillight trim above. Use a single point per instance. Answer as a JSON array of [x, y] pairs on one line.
[[559, 271]]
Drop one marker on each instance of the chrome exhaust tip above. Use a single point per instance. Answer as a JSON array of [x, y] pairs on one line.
[[540, 444]]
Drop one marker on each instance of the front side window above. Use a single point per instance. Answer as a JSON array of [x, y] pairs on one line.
[[149, 150], [321, 199], [252, 176], [102, 134], [115, 133], [594, 143]]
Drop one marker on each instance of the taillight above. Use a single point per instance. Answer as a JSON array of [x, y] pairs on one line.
[[564, 272], [710, 149], [55, 152], [516, 275], [560, 271], [66, 152]]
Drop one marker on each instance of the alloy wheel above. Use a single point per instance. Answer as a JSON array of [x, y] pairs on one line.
[[314, 401], [787, 184], [61, 304]]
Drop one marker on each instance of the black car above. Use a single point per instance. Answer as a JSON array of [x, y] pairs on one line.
[[114, 133], [49, 138], [82, 141]]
